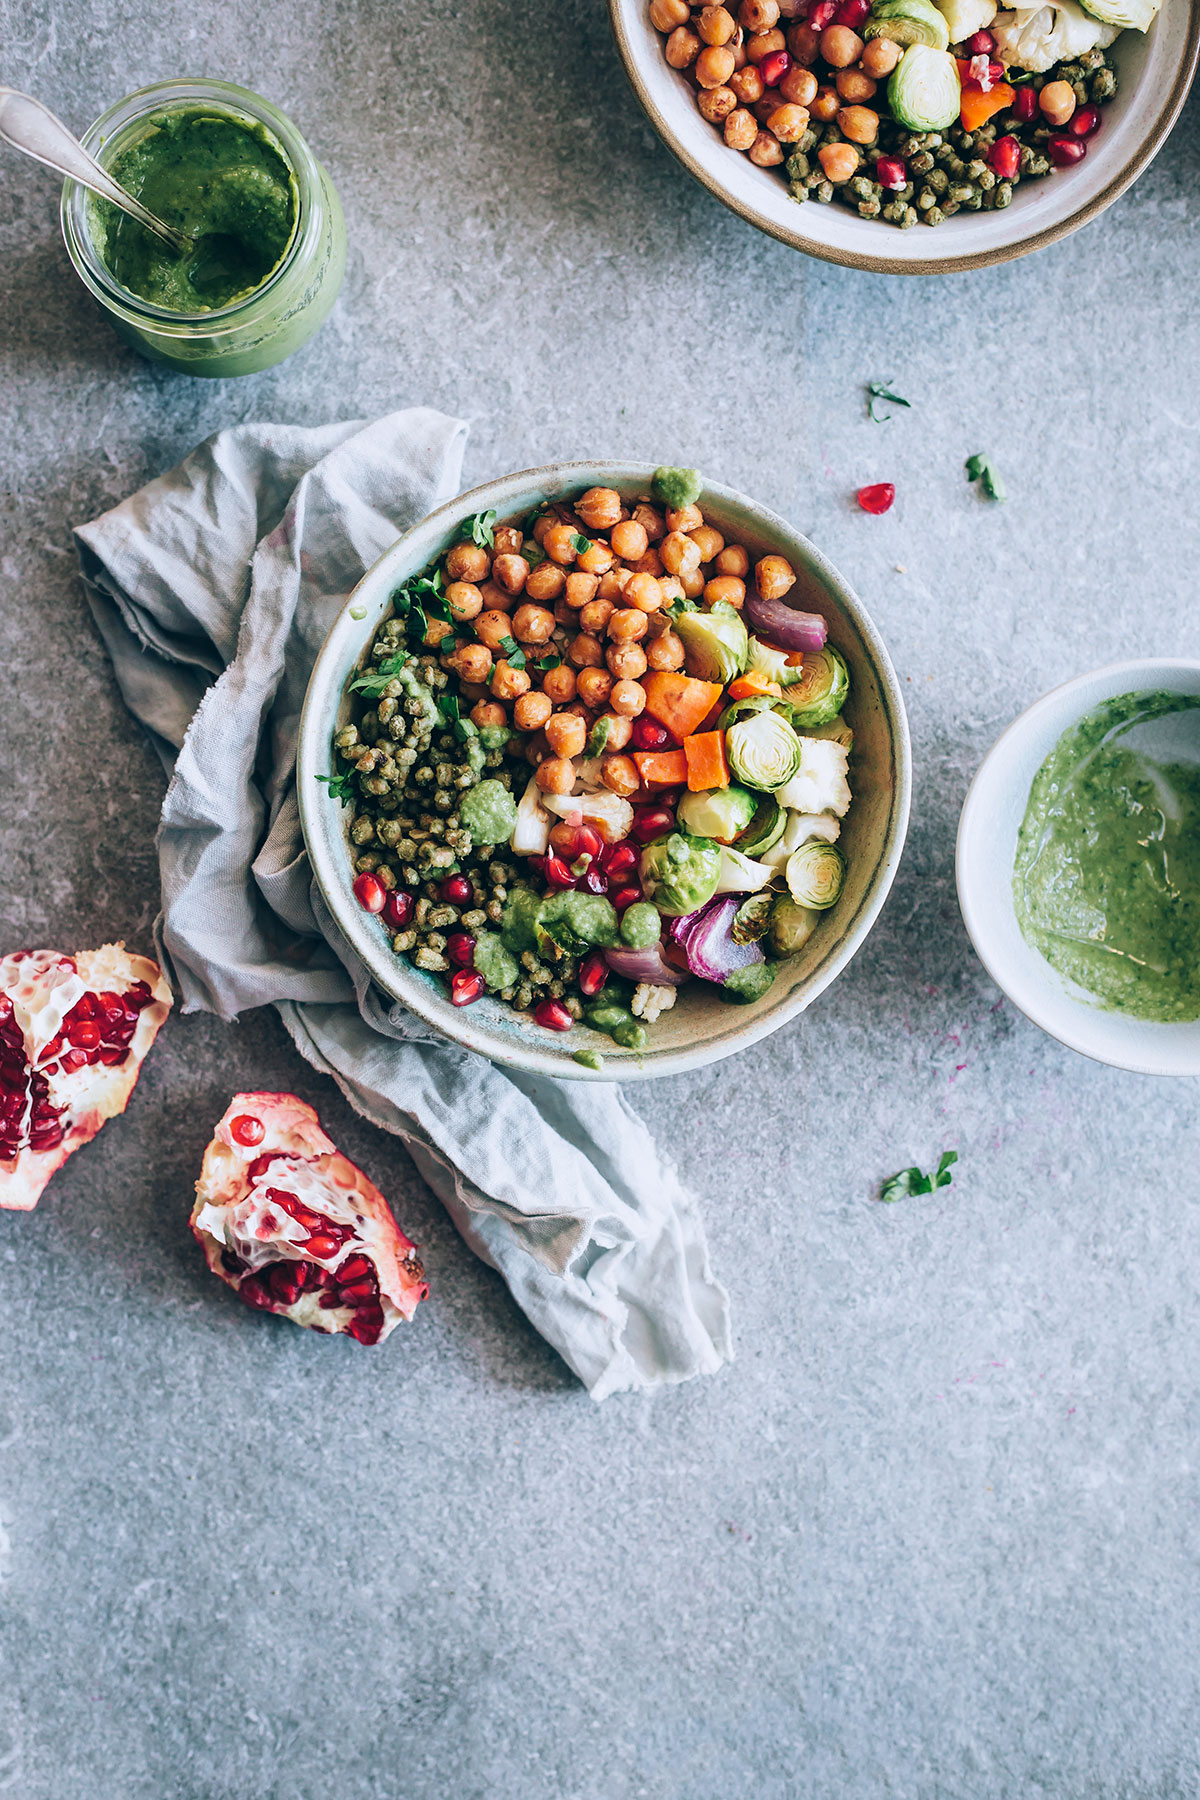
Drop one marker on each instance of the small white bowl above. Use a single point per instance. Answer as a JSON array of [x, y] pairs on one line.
[[1154, 72], [987, 847]]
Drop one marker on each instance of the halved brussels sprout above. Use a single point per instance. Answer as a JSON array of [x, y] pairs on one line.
[[741, 874], [924, 92], [837, 731], [816, 874], [763, 751], [751, 919], [680, 874], [791, 927], [719, 813], [764, 829], [716, 643], [908, 22], [821, 691], [773, 663]]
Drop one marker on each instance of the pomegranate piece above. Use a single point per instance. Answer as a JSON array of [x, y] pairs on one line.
[[456, 890], [552, 1015], [852, 13], [460, 949], [1025, 104], [398, 908], [1005, 157], [878, 497], [370, 892], [296, 1229], [1063, 151], [773, 68], [890, 172], [982, 44], [1085, 122], [593, 973], [465, 987], [74, 1032]]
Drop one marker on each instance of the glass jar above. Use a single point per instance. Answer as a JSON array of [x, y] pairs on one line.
[[259, 328]]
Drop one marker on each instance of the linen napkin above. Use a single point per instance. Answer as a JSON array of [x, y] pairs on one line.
[[213, 588]]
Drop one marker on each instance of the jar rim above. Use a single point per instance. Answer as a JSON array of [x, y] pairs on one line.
[[111, 128]]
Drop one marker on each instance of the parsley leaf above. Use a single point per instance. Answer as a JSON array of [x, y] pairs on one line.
[[981, 468], [580, 544], [512, 652], [373, 682], [547, 663], [448, 706], [341, 787], [533, 553], [479, 529], [879, 390], [912, 1181]]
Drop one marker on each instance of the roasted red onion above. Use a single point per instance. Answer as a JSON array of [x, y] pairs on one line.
[[711, 951], [784, 626], [644, 965]]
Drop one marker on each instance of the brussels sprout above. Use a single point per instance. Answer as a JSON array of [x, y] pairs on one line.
[[748, 984], [751, 919], [740, 875], [719, 813], [791, 927], [641, 926], [677, 488], [908, 22], [924, 92], [716, 642], [679, 873], [773, 663], [820, 784], [764, 829], [815, 874], [821, 691], [489, 812], [837, 731], [494, 961], [763, 751]]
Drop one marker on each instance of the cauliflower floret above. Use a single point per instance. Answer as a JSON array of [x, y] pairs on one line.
[[1036, 37], [965, 17], [648, 1001], [821, 785]]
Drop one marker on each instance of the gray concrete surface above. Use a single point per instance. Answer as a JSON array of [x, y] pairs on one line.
[[933, 1536]]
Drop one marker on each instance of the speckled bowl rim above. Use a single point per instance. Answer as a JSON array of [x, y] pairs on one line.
[[340, 653], [949, 264], [1049, 1001]]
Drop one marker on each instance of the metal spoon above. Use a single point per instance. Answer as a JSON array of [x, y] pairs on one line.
[[29, 126]]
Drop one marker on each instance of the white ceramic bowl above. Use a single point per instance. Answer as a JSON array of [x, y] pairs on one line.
[[700, 1028], [987, 846], [1155, 72]]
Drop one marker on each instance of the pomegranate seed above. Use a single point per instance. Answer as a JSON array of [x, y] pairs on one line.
[[113, 1058], [625, 897], [595, 880], [370, 892], [890, 172], [253, 1292], [852, 13], [773, 68], [353, 1292], [329, 1301], [982, 44], [552, 1015], [465, 987], [365, 1329], [557, 873], [593, 973], [648, 734], [652, 822], [1063, 151], [246, 1129], [619, 857], [460, 948], [822, 14], [355, 1268], [1085, 123], [1005, 157], [456, 890], [877, 498], [398, 908], [1026, 104], [323, 1244], [588, 841]]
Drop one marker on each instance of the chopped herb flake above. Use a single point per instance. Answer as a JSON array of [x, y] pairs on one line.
[[374, 682], [580, 544], [341, 787], [547, 663], [508, 646], [982, 469], [912, 1181], [879, 390], [479, 528]]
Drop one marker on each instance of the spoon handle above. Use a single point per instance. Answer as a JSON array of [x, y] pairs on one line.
[[32, 128]]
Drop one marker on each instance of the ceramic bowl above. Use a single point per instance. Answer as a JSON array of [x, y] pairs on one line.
[[987, 845], [701, 1027], [1155, 72]]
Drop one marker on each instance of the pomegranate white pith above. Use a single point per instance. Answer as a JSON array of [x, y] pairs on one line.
[[296, 1229], [74, 1032]]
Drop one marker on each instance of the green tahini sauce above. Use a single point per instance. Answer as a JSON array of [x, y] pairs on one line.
[[1107, 874], [224, 182]]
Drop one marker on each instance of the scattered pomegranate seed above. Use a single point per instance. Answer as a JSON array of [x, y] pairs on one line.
[[773, 68], [1064, 151], [822, 14], [398, 908], [1026, 104], [552, 1015], [1005, 157], [890, 172], [595, 880], [455, 890], [1085, 122], [557, 873], [593, 973], [620, 858], [652, 822], [370, 892], [625, 897], [852, 13], [248, 1130], [982, 44], [648, 734], [877, 498], [465, 987], [460, 948]]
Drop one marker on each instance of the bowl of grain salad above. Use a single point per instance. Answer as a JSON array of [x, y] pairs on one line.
[[604, 771], [852, 128]]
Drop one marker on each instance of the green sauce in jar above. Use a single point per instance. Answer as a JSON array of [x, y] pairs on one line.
[[1107, 876]]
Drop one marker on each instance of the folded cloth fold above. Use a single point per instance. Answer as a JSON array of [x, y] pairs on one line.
[[213, 588]]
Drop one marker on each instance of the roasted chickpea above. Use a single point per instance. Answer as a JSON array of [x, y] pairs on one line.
[[464, 600], [715, 25], [665, 651], [488, 712], [679, 553], [507, 541], [748, 85], [1057, 101], [586, 651], [472, 691], [491, 628], [825, 105], [626, 662], [559, 684], [758, 15], [494, 598], [566, 734], [714, 66], [741, 129], [774, 575], [854, 86], [595, 615], [628, 697], [763, 44], [533, 625], [630, 540], [509, 683], [471, 662], [580, 588], [597, 559], [613, 583], [532, 711], [839, 161], [545, 582], [645, 592], [563, 614], [620, 776], [684, 518], [510, 573], [840, 46], [859, 124], [559, 542], [715, 105], [798, 86], [672, 589], [541, 526], [556, 775], [692, 582], [599, 508], [710, 542], [620, 730], [727, 588], [788, 123], [804, 46], [467, 562], [594, 685], [628, 626], [650, 520], [732, 560], [880, 57], [435, 631], [766, 150], [668, 15], [682, 47]]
